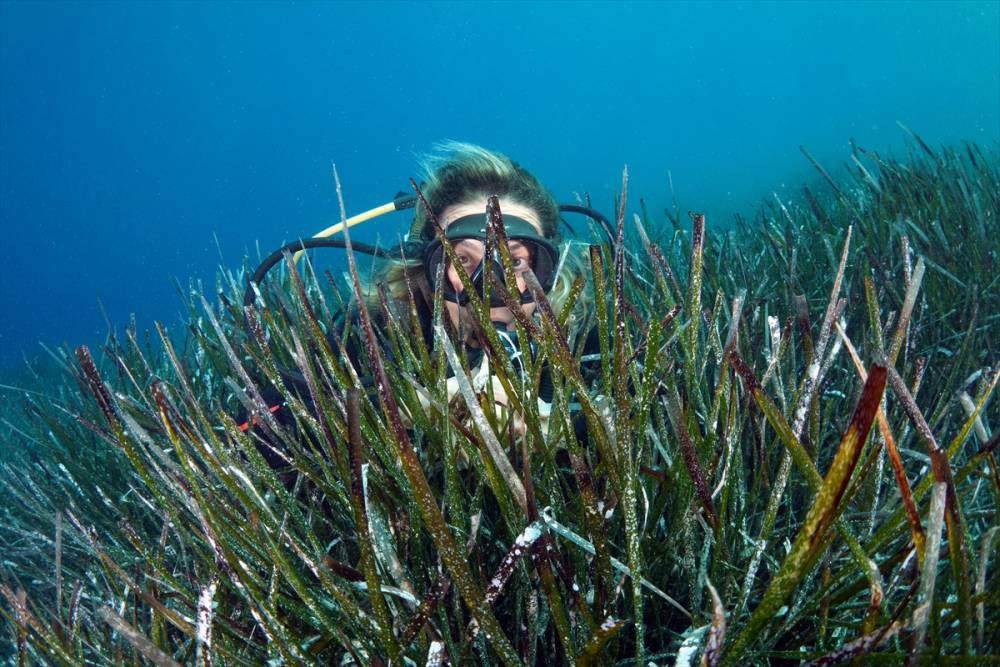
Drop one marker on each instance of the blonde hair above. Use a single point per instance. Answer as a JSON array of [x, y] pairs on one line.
[[457, 171]]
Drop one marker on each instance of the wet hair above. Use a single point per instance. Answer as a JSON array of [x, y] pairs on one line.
[[457, 172]]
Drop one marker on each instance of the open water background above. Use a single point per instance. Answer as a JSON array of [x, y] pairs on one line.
[[141, 142]]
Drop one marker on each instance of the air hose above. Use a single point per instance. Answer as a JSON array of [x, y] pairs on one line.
[[399, 203]]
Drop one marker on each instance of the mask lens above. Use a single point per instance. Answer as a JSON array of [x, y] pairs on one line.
[[536, 252], [544, 259]]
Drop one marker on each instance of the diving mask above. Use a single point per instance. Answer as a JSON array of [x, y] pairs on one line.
[[543, 258]]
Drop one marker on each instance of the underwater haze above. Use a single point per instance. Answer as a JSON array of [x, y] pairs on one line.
[[146, 142]]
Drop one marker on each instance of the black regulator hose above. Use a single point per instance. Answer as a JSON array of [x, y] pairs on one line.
[[400, 202], [306, 244], [596, 216]]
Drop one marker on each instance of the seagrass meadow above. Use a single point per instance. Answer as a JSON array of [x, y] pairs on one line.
[[787, 455]]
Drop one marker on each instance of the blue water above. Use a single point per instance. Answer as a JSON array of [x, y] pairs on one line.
[[133, 135]]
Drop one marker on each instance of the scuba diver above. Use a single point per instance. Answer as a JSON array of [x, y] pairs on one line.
[[451, 232]]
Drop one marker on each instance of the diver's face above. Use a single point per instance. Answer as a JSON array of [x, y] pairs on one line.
[[470, 254]]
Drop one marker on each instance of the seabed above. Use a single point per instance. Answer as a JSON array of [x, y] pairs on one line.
[[790, 456]]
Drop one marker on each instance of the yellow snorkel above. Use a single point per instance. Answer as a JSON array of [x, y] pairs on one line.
[[401, 202]]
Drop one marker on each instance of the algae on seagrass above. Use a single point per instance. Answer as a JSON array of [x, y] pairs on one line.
[[728, 500]]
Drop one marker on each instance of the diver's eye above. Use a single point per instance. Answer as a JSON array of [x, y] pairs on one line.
[[521, 258], [469, 253], [467, 263]]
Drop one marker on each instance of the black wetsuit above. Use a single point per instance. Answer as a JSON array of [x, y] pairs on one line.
[[356, 352]]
